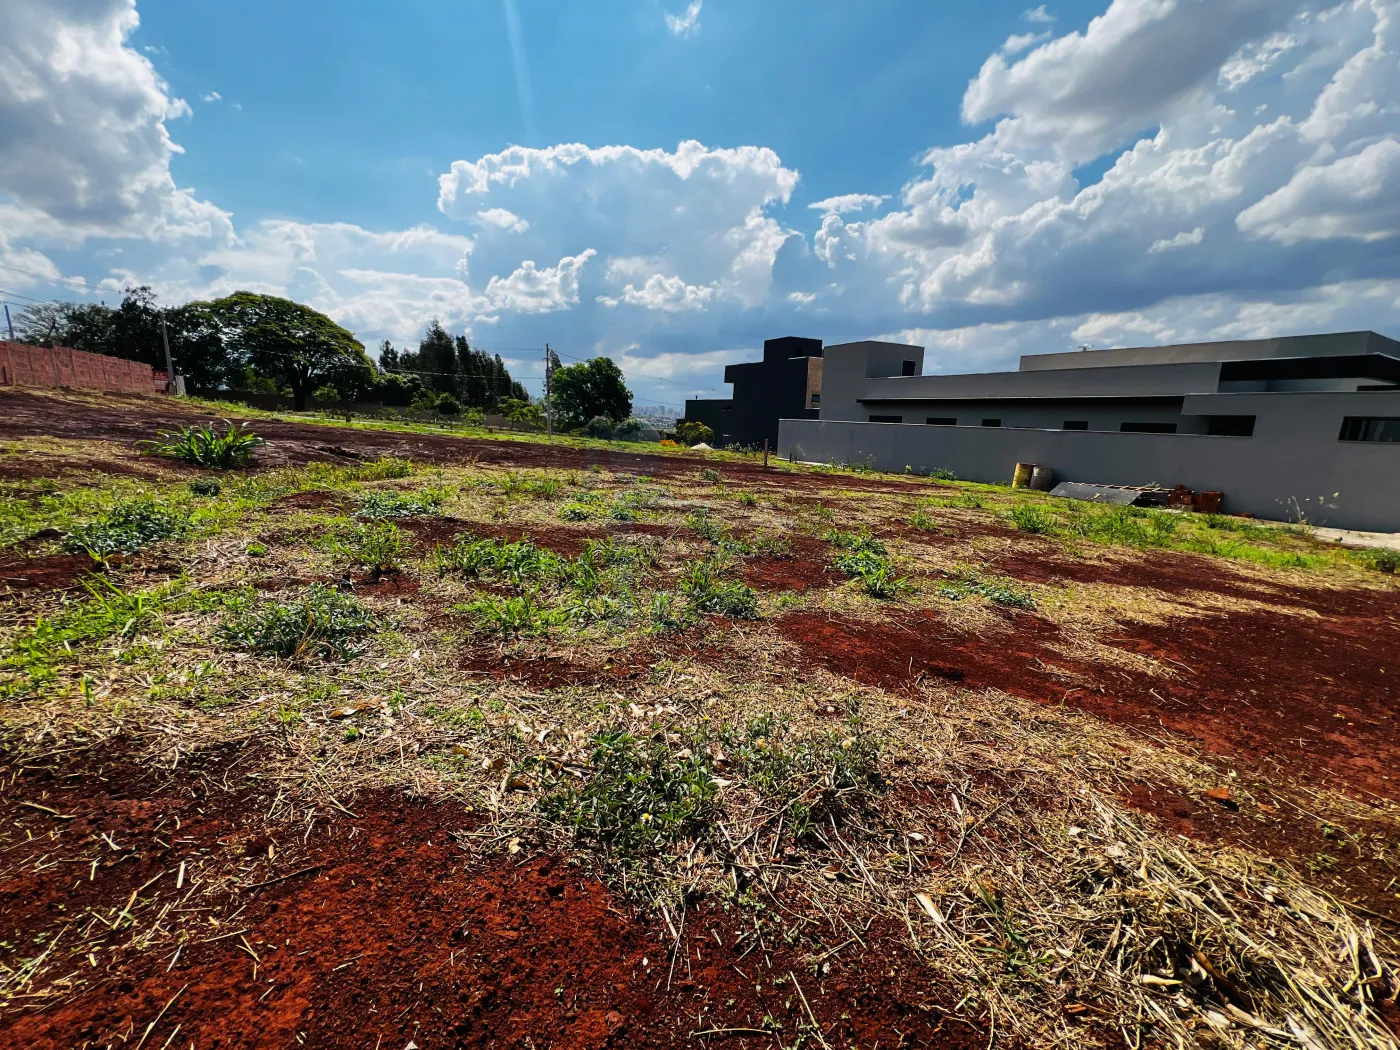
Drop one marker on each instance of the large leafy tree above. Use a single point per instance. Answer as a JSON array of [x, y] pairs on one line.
[[584, 391], [299, 345]]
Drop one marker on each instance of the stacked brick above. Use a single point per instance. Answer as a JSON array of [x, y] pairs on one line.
[[22, 365]]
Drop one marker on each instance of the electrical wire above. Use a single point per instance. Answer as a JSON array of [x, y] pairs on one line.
[[82, 286]]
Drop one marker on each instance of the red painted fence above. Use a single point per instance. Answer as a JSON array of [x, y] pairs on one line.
[[23, 365]]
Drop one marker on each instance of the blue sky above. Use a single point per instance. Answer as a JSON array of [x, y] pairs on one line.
[[638, 177]]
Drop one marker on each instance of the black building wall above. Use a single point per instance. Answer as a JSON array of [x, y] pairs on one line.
[[764, 392]]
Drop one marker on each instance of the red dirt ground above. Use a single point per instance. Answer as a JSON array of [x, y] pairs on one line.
[[50, 572], [1278, 692], [486, 951], [132, 419], [806, 569]]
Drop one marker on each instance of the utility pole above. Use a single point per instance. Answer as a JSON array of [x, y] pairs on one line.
[[548, 379], [8, 323], [169, 367]]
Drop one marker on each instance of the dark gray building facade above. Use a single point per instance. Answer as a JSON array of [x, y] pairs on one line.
[[1303, 426], [785, 384]]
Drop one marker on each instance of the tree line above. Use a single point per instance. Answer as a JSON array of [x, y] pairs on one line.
[[267, 344]]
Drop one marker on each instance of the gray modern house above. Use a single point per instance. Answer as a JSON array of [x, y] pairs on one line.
[[1300, 426]]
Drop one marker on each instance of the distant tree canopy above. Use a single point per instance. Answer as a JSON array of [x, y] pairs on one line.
[[267, 344], [450, 365], [584, 392]]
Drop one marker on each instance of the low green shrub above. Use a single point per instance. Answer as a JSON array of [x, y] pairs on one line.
[[575, 511], [512, 616], [320, 622], [205, 487], [923, 521]]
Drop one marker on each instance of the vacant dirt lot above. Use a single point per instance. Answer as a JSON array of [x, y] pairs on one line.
[[403, 738]]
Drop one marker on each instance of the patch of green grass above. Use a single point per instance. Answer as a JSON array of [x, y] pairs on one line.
[[1032, 518], [387, 504], [668, 613], [706, 527], [35, 654], [712, 476], [206, 447], [748, 499], [320, 622], [856, 542], [205, 487], [923, 521], [865, 559], [127, 528], [521, 565], [575, 511]]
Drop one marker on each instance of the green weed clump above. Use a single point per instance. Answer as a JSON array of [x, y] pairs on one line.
[[127, 528], [386, 468], [206, 447], [995, 589], [643, 798], [205, 487], [512, 616], [575, 511], [321, 622], [377, 545], [923, 521], [706, 527], [402, 504], [708, 593], [864, 558], [1031, 518], [640, 798], [521, 565]]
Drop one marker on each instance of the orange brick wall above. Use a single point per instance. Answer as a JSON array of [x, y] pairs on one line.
[[22, 365]]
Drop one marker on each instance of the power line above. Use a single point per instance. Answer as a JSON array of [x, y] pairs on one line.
[[83, 285]]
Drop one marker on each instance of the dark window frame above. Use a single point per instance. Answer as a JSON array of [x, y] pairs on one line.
[[1230, 426], [989, 422], [1360, 428], [1075, 424], [941, 421], [909, 368], [887, 419]]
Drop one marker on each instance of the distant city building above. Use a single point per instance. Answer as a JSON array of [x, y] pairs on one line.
[[1303, 426], [786, 384]]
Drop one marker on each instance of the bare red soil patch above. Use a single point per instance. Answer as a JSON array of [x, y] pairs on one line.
[[1307, 695], [429, 532], [51, 572], [805, 569], [377, 930]]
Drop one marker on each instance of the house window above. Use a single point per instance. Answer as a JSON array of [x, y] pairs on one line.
[[1076, 424], [1230, 426], [816, 399], [941, 421], [908, 368], [887, 419], [991, 422], [1370, 428], [1148, 428]]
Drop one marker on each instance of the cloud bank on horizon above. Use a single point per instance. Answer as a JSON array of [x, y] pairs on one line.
[[1263, 198]]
